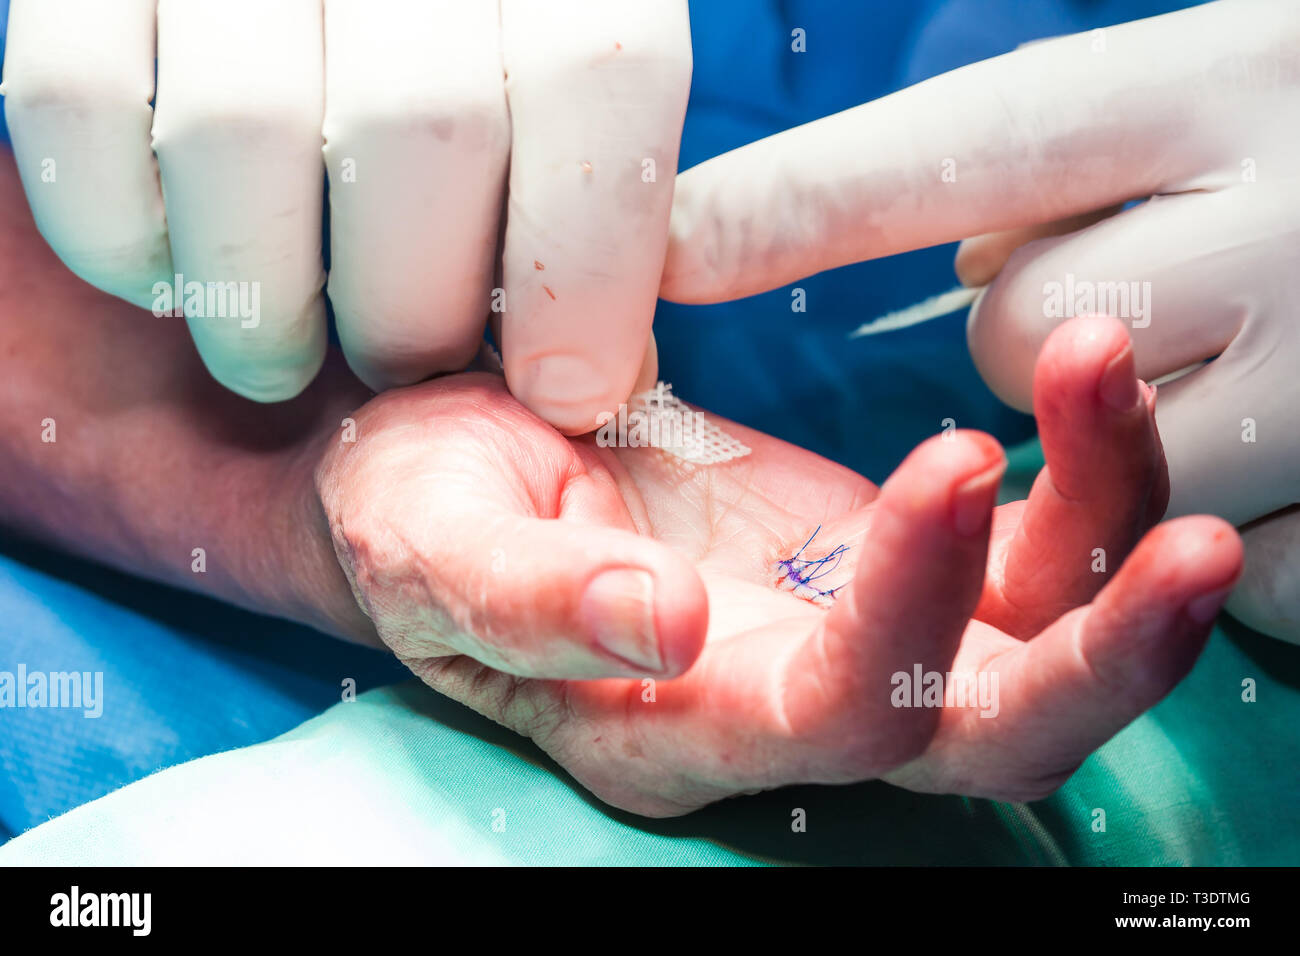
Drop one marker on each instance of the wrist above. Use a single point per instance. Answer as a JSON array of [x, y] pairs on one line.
[[319, 593]]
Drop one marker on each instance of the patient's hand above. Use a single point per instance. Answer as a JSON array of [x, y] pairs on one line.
[[495, 556], [471, 530]]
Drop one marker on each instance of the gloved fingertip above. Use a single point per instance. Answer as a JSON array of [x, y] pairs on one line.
[[566, 391]]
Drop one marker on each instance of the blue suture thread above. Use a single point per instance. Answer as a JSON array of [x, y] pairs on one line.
[[802, 573]]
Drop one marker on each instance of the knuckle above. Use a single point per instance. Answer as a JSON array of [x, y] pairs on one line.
[[657, 68], [666, 65], [1118, 680], [219, 120], [75, 96], [361, 537], [1108, 679], [476, 120]]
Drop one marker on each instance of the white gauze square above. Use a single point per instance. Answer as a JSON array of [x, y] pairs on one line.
[[682, 432]]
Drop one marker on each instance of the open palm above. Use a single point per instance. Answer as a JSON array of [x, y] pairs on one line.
[[631, 613]]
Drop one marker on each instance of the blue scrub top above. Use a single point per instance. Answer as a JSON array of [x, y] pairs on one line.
[[188, 676]]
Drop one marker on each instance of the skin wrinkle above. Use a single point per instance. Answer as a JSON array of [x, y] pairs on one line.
[[481, 684], [697, 479], [525, 495], [474, 619], [997, 575], [710, 507], [748, 495], [1008, 588], [626, 486], [1079, 644], [713, 542], [434, 620], [812, 650]]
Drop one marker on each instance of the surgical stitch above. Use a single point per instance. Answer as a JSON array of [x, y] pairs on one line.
[[800, 575]]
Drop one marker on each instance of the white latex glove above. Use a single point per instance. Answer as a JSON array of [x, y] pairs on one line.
[[419, 123], [1033, 152]]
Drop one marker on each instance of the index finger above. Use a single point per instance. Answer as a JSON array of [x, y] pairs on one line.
[[1051, 130], [596, 115]]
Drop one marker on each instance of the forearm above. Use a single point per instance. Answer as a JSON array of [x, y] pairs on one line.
[[117, 445]]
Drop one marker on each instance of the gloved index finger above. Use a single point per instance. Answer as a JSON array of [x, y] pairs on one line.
[[1051, 130], [596, 114]]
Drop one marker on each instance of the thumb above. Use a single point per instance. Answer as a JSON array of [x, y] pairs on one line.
[[980, 258], [550, 598]]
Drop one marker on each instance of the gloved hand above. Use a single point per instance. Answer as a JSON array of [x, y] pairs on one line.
[[494, 556], [1034, 153], [420, 125]]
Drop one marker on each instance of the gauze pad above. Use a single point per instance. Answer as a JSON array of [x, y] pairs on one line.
[[682, 432]]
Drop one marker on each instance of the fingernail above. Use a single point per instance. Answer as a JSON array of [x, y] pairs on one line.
[[1206, 608], [1119, 386], [618, 612], [974, 499]]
